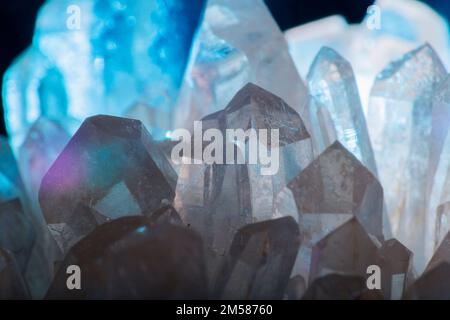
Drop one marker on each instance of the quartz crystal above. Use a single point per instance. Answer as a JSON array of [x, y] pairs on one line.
[[132, 257], [335, 110], [333, 189], [218, 199], [432, 285], [347, 250], [400, 128], [337, 287], [238, 42], [296, 288], [260, 260], [439, 169], [404, 25], [110, 168], [395, 262]]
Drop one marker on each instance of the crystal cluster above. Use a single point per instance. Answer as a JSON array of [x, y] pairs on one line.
[[361, 190]]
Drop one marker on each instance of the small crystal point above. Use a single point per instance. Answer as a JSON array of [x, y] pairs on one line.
[[260, 260], [131, 257], [336, 111]]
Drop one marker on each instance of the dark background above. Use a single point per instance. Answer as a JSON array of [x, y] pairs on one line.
[[17, 21]]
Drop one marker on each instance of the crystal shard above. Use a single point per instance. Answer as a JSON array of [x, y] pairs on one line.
[[260, 260], [347, 250], [12, 285], [333, 189], [335, 110], [296, 288], [132, 257], [218, 199], [400, 125], [396, 269], [111, 166], [16, 232], [238, 42]]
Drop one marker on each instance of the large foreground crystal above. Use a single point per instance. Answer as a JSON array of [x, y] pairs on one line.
[[238, 42], [111, 167], [400, 126], [12, 285], [219, 198], [333, 189], [335, 110], [132, 257], [260, 260]]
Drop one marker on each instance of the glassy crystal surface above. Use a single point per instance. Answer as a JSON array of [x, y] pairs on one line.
[[347, 250], [333, 189], [400, 127], [131, 257], [238, 42], [335, 110], [218, 199], [113, 167], [12, 285], [260, 260]]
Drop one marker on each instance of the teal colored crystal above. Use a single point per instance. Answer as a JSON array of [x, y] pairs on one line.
[[99, 57]]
